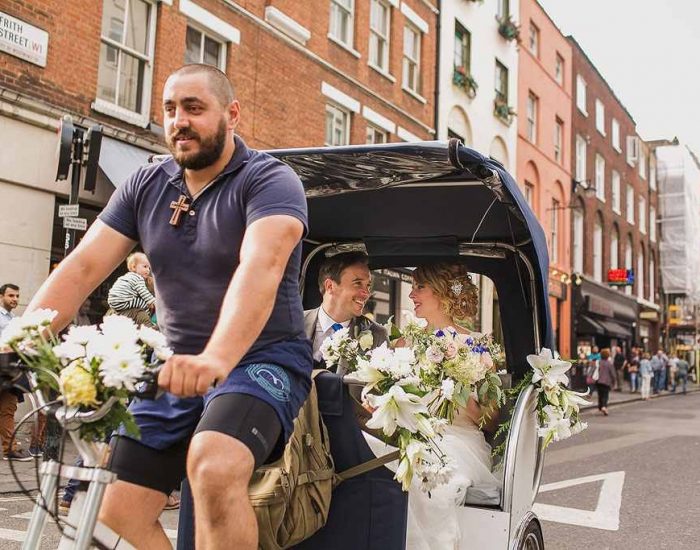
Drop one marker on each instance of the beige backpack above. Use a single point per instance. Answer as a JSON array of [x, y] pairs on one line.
[[292, 496]]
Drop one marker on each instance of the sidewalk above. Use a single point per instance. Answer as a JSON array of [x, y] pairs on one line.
[[617, 397]]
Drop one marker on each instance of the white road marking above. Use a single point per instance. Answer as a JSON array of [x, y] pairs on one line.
[[12, 534], [607, 513]]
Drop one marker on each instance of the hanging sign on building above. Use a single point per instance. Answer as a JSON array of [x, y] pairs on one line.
[[620, 277], [23, 40]]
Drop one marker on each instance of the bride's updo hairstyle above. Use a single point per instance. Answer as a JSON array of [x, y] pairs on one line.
[[453, 286]]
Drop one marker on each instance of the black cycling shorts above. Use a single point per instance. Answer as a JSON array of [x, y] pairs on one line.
[[243, 417]]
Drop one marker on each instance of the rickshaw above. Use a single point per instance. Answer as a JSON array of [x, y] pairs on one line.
[[404, 205], [407, 204]]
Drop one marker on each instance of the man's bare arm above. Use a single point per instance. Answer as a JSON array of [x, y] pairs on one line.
[[98, 254], [267, 245]]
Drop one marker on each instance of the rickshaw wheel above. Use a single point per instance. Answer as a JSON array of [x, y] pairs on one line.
[[532, 537]]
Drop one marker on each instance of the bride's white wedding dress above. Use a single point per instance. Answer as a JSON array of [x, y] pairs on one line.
[[432, 520]]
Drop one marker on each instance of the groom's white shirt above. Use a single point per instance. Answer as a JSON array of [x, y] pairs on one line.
[[324, 322]]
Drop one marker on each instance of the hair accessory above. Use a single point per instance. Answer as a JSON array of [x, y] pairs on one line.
[[456, 287]]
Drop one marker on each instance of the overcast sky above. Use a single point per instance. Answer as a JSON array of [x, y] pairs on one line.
[[649, 53]]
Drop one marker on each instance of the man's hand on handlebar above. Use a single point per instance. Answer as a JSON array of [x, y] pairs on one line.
[[190, 375]]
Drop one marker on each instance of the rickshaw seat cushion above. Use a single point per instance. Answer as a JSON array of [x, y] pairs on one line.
[[483, 495]]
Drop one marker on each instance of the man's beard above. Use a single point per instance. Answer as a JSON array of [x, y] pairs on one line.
[[210, 148]]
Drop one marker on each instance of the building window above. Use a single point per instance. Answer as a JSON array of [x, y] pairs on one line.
[[652, 172], [600, 177], [581, 94], [642, 215], [578, 239], [629, 261], [559, 70], [337, 126], [614, 248], [616, 135], [630, 205], [126, 55], [600, 116], [532, 104], [379, 25], [502, 9], [554, 240], [639, 274], [342, 21], [642, 164], [411, 58], [652, 224], [202, 48], [559, 141], [616, 202], [598, 249], [501, 82], [534, 40], [463, 48], [580, 159], [375, 135], [530, 194]]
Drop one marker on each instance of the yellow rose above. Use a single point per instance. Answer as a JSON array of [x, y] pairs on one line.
[[78, 385]]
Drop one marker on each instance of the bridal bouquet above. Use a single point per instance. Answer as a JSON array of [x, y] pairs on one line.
[[90, 366], [558, 412], [414, 392]]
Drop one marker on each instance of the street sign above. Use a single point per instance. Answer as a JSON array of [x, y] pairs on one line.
[[68, 211], [75, 223]]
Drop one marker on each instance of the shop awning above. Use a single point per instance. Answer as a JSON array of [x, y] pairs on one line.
[[616, 329], [586, 325], [118, 160]]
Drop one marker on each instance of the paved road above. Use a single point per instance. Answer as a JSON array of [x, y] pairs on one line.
[[632, 480]]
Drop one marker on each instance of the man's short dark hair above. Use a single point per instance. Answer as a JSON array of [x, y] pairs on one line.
[[333, 267], [4, 288], [219, 83]]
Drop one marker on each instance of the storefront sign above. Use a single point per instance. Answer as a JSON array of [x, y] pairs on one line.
[[600, 306], [620, 277], [23, 40], [649, 315], [557, 289]]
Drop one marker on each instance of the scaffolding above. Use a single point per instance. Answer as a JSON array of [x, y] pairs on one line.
[[678, 177]]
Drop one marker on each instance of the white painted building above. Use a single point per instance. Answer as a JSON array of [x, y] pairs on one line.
[[472, 49]]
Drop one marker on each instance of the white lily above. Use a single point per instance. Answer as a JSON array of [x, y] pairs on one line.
[[395, 409], [549, 368]]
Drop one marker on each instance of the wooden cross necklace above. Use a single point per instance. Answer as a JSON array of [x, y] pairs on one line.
[[181, 206]]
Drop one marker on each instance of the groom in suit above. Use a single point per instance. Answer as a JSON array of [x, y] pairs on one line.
[[344, 282]]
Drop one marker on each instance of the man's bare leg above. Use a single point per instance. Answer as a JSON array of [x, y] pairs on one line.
[[132, 511], [219, 468]]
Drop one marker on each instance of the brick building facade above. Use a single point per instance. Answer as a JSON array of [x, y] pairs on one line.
[[306, 73], [614, 224], [543, 154]]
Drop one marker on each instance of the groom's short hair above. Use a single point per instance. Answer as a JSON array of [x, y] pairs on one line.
[[333, 267]]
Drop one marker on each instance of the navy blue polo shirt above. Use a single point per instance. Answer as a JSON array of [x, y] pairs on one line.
[[193, 263]]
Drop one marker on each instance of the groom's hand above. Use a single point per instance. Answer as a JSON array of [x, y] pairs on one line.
[[191, 375]]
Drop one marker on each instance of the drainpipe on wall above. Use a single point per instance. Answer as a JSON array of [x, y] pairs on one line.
[[437, 71]]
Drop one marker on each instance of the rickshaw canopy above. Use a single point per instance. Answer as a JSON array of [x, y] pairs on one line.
[[411, 203]]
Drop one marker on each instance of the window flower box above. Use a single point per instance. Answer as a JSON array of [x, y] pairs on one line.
[[464, 80]]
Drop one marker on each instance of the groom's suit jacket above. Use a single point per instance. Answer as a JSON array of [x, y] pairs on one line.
[[357, 326]]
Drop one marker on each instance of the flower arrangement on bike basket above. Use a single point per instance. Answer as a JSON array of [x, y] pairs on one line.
[[414, 391], [558, 413], [89, 366]]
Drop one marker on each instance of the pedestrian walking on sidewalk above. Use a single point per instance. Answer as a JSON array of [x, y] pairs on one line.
[[619, 362], [633, 370], [646, 372], [606, 380], [658, 366], [681, 375]]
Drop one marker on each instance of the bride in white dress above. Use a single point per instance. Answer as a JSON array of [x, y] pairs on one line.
[[442, 294]]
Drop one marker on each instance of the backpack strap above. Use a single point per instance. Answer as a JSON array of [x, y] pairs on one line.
[[368, 466]]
